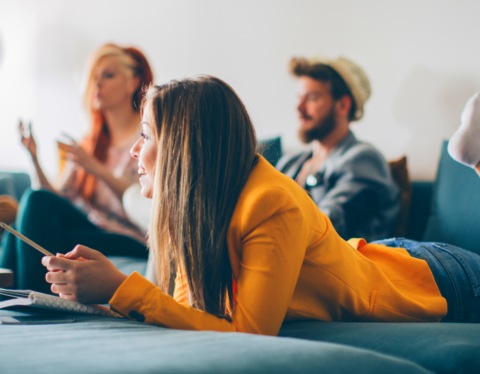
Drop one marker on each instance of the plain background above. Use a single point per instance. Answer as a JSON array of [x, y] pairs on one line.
[[422, 57]]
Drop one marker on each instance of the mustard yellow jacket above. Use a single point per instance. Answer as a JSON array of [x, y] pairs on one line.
[[290, 264]]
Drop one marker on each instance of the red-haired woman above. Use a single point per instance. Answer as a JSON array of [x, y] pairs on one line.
[[87, 207], [250, 247]]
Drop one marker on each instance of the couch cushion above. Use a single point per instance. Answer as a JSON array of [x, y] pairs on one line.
[[7, 186], [439, 347], [110, 345], [20, 182], [419, 209], [271, 149], [455, 208]]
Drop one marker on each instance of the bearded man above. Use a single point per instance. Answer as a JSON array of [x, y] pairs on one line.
[[349, 180]]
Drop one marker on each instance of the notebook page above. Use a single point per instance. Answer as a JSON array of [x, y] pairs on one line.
[[15, 302]]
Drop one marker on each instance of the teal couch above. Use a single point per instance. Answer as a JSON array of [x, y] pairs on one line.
[[445, 210], [107, 345]]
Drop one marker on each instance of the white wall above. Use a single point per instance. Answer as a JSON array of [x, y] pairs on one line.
[[422, 57]]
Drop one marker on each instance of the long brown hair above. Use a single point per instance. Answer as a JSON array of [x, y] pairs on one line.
[[98, 139], [206, 151]]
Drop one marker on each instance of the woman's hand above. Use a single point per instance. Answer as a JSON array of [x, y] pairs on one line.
[[80, 156], [83, 275], [28, 142], [91, 165]]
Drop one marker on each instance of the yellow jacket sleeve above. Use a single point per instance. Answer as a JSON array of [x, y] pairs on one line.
[[271, 257]]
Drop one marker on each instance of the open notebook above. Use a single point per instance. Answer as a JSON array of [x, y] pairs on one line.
[[44, 301]]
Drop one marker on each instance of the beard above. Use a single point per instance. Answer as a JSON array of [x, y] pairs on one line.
[[321, 130]]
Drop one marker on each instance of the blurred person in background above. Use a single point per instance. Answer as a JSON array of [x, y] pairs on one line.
[[349, 180], [87, 207]]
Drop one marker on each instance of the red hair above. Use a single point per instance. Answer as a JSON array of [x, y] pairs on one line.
[[98, 139]]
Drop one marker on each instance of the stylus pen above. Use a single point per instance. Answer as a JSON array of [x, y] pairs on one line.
[[26, 240]]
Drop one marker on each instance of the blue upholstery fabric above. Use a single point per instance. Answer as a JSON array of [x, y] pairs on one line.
[[14, 184], [438, 347], [270, 149], [419, 209], [108, 345], [455, 210], [7, 186]]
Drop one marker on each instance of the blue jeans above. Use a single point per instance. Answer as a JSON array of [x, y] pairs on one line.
[[456, 271]]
